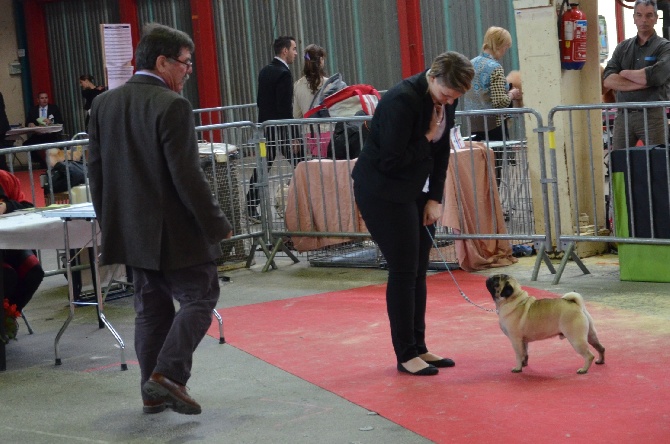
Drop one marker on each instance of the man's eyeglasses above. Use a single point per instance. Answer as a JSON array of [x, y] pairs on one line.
[[188, 63]]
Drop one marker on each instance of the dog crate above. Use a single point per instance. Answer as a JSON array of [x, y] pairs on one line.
[[366, 254], [220, 161]]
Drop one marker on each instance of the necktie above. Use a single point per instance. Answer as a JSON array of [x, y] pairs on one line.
[[44, 112]]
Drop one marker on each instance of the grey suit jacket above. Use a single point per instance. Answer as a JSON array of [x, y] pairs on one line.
[[153, 202]]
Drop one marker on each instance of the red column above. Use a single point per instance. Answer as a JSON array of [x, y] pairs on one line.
[[128, 14], [411, 37], [207, 68], [38, 48], [618, 14]]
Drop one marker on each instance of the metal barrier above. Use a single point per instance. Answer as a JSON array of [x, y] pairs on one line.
[[591, 204], [226, 114], [228, 166], [319, 216], [512, 182], [332, 234]]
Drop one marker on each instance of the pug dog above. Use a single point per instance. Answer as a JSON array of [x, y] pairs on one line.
[[525, 319]]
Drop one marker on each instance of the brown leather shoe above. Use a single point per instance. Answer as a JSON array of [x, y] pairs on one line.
[[160, 386], [154, 406]]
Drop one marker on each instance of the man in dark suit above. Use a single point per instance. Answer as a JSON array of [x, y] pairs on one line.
[[43, 114], [274, 101], [157, 213]]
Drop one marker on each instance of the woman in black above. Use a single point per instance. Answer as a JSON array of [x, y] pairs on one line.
[[89, 91], [398, 185]]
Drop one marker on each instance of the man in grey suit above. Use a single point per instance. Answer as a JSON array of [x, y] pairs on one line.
[[157, 213]]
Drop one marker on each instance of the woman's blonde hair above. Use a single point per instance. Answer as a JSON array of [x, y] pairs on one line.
[[496, 38]]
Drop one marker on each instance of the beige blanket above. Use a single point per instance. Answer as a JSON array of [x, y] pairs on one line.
[[471, 185], [321, 200]]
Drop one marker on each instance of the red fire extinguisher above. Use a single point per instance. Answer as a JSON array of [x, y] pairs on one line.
[[573, 38]]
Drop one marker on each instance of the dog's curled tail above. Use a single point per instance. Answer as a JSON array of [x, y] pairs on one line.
[[575, 297]]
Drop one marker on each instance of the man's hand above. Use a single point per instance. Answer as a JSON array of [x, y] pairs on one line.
[[618, 82], [638, 76]]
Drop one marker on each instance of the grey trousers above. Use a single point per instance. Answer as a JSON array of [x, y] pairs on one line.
[[165, 339], [652, 134]]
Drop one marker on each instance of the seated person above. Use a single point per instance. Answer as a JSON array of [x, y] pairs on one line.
[[43, 114], [21, 270]]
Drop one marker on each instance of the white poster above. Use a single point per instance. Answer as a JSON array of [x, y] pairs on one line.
[[117, 53]]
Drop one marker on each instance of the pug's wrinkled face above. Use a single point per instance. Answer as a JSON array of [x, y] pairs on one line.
[[501, 286]]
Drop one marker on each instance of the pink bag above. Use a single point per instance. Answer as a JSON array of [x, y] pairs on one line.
[[318, 143]]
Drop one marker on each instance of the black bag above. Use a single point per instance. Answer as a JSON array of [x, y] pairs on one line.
[[59, 175], [353, 132], [345, 132]]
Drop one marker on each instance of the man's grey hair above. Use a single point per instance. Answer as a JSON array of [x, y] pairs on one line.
[[646, 3], [160, 40]]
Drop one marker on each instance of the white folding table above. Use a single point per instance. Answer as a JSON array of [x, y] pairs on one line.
[[70, 227]]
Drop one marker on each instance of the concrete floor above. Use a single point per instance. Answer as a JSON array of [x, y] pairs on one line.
[[244, 399]]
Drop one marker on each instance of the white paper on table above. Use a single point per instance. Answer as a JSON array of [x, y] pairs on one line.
[[456, 139]]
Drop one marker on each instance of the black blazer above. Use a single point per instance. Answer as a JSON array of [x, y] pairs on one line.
[[397, 158], [52, 110], [275, 92]]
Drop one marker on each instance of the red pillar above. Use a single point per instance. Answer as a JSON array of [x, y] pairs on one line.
[[207, 68], [618, 14], [128, 14], [411, 37], [38, 48]]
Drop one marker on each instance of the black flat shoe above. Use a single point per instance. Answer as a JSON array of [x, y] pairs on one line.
[[442, 363], [427, 371]]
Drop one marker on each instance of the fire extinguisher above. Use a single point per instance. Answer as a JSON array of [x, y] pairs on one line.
[[573, 37]]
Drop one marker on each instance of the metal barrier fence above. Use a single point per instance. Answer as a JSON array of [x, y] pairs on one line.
[[622, 197], [228, 166], [226, 114], [306, 201], [318, 213]]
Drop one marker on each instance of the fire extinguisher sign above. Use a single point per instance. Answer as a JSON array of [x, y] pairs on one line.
[[580, 40]]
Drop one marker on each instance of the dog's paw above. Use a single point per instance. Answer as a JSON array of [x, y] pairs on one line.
[[582, 371], [516, 370]]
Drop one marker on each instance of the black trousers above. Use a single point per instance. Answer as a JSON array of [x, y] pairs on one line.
[[22, 276], [277, 140], [398, 230]]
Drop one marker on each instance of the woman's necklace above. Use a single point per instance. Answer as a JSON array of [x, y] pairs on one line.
[[439, 113]]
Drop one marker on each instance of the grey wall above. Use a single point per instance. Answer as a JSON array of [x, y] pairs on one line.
[[361, 38]]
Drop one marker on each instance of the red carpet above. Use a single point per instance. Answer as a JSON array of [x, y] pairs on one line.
[[24, 177], [340, 341]]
